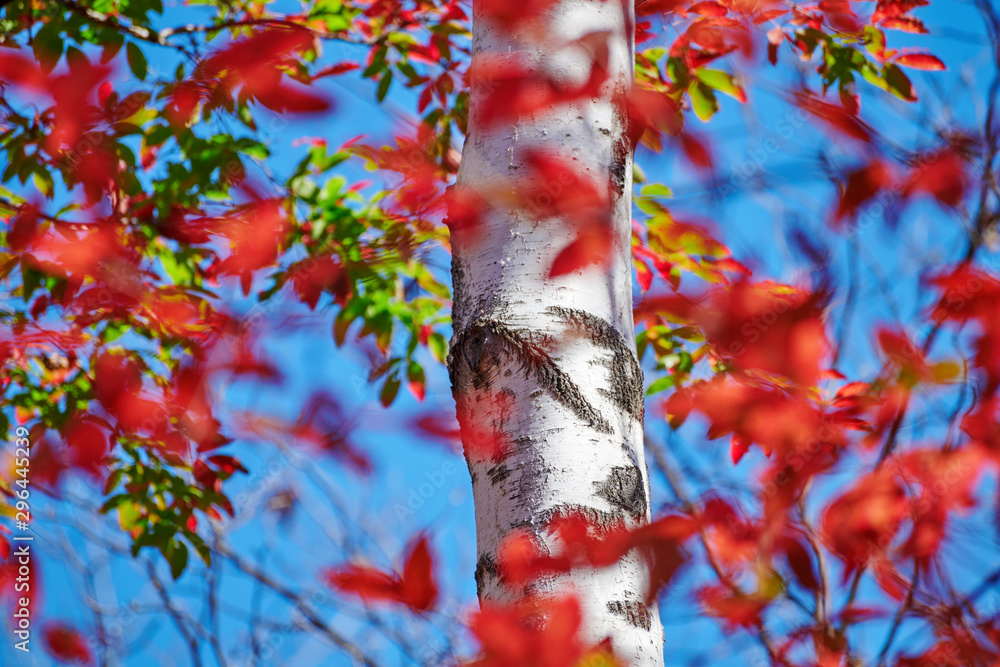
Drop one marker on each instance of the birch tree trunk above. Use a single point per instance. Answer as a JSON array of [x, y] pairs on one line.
[[549, 365]]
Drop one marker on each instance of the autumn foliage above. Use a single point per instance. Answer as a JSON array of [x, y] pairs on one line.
[[152, 250]]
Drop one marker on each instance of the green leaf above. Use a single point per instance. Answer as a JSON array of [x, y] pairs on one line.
[[199, 545], [341, 324], [47, 46], [128, 514], [389, 391], [703, 100], [383, 85], [136, 60], [44, 183], [75, 57], [438, 347], [113, 42], [656, 190], [721, 81], [898, 83], [873, 76], [660, 384], [113, 480], [178, 559], [416, 380], [114, 330]]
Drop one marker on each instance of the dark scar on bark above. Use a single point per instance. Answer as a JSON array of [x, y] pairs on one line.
[[458, 288], [626, 374], [623, 489], [478, 352], [485, 566], [498, 473], [633, 611], [619, 157]]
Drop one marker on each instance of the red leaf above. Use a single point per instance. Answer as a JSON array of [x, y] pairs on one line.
[[66, 644], [708, 8], [650, 7], [417, 586], [793, 341], [23, 228], [866, 517], [862, 185], [104, 92], [923, 61], [592, 247], [315, 275], [696, 151], [735, 610], [367, 583], [643, 275], [530, 633], [891, 581], [800, 562], [88, 445], [439, 426], [505, 15], [297, 99], [835, 116], [738, 448], [941, 174], [227, 464], [22, 71], [339, 68], [893, 8], [651, 111], [906, 24]]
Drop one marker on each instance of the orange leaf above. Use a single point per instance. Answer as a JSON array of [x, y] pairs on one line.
[[923, 61]]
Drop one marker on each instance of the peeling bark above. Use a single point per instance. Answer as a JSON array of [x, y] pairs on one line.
[[559, 352]]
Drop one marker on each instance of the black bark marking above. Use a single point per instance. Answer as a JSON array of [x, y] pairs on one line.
[[478, 352], [459, 289], [632, 611], [498, 473], [626, 374], [619, 158], [625, 490], [485, 566]]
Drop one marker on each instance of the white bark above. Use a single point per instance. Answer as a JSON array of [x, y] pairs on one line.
[[575, 417]]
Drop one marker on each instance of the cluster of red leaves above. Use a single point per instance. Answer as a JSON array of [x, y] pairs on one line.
[[256, 66], [514, 91], [671, 246], [522, 559], [255, 232], [315, 275], [554, 188], [941, 174], [756, 328], [895, 15], [968, 294], [85, 118], [892, 520], [424, 177], [72, 92], [414, 587], [710, 38]]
